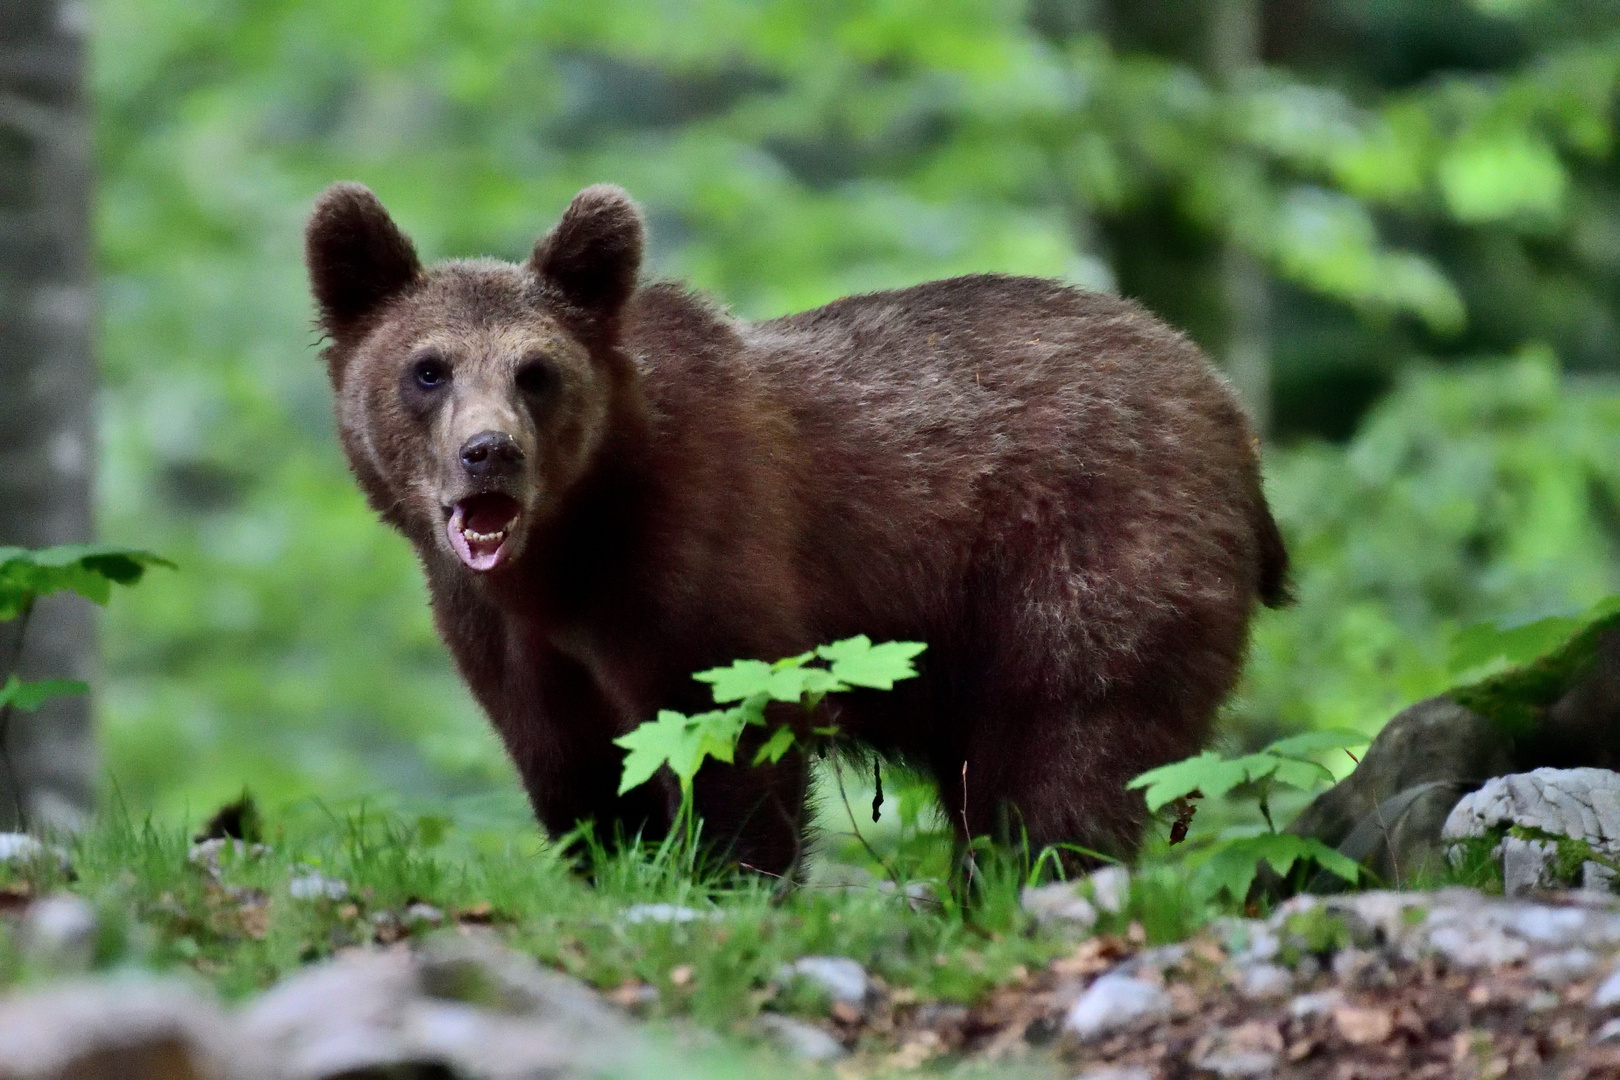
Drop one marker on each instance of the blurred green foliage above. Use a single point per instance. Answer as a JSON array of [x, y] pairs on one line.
[[1425, 180]]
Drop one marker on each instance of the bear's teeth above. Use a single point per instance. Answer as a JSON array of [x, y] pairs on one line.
[[483, 538]]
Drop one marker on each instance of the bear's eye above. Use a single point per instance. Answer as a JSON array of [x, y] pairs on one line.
[[430, 372], [535, 376]]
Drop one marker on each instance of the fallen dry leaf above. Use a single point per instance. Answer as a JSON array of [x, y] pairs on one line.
[[1362, 1026]]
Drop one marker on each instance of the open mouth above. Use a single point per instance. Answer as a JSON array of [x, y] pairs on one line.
[[479, 527]]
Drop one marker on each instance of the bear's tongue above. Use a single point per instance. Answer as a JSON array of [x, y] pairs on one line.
[[478, 528]]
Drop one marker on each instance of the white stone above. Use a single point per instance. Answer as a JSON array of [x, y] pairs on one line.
[[1262, 982], [1607, 994], [1239, 1063], [313, 886], [1556, 969], [1117, 1072], [804, 1041], [1307, 1005], [1526, 865], [1608, 1033], [1595, 877], [1583, 804], [21, 848], [1058, 903], [1114, 1002], [424, 913], [663, 913], [1477, 946], [840, 977], [59, 932], [1111, 888]]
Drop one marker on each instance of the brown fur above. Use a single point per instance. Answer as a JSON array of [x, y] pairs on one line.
[[1050, 487]]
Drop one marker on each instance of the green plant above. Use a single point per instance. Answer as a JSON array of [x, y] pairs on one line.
[[1230, 864], [746, 687], [28, 574]]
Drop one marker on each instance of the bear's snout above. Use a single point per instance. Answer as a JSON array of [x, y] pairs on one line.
[[491, 454]]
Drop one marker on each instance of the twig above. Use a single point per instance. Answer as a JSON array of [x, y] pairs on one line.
[[968, 861], [838, 774]]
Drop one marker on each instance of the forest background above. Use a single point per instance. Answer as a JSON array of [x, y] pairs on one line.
[[1395, 222]]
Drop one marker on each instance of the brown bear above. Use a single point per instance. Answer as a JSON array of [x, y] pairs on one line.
[[612, 486]]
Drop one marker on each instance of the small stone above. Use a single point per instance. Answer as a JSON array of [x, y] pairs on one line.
[[800, 1039], [1308, 1005], [1548, 925], [1542, 1001], [1608, 1033], [1264, 944], [1058, 903], [22, 848], [1117, 1072], [1526, 865], [1583, 804], [844, 980], [1595, 877], [1607, 994], [1239, 1063], [1556, 969], [423, 913], [1111, 888], [1263, 982], [59, 933], [1114, 1002], [314, 886], [663, 913], [208, 854], [1473, 946]]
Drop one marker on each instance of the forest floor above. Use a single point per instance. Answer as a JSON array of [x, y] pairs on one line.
[[848, 974]]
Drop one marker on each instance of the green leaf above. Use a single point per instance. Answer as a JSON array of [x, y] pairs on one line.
[[779, 743], [1304, 775], [1234, 863], [681, 742], [1485, 643], [1317, 742], [1500, 174], [29, 696], [87, 569], [1208, 773], [858, 662]]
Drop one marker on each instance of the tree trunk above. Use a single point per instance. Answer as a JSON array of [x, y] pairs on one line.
[[47, 385], [1234, 49]]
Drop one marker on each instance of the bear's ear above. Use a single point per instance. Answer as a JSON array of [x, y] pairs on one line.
[[357, 258], [593, 254]]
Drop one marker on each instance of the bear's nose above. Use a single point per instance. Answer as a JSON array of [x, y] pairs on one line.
[[491, 453]]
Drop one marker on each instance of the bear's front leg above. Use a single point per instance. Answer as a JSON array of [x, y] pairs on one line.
[[754, 815], [559, 730]]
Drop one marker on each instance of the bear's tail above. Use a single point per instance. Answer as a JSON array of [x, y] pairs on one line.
[[1276, 590]]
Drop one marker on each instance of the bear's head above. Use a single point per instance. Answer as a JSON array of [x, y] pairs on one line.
[[473, 395]]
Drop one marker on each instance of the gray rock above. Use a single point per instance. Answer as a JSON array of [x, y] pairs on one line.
[[422, 913], [1114, 1002], [663, 913], [1308, 1005], [1595, 877], [1607, 995], [1057, 904], [804, 1041], [465, 1004], [1111, 888], [1239, 1063], [1558, 968], [1608, 1033], [1583, 804], [315, 886], [132, 1028], [841, 978], [1526, 865], [59, 933], [21, 848], [1118, 1072], [1263, 982], [208, 854]]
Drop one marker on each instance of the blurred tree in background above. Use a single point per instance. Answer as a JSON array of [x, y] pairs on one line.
[[1397, 220], [47, 386]]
